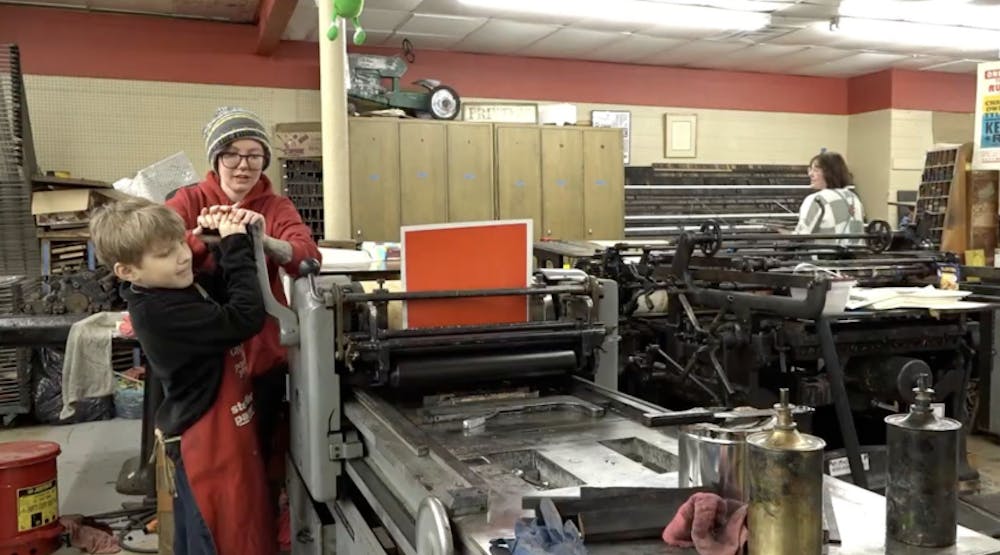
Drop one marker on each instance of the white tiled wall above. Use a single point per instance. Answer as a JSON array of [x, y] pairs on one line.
[[868, 158], [729, 136], [107, 129]]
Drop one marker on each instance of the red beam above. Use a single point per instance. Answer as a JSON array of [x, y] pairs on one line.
[[272, 20]]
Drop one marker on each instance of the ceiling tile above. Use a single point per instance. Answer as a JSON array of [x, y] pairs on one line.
[[456, 7], [569, 43], [231, 10], [382, 20], [807, 56], [303, 22], [423, 40], [394, 5], [504, 37], [445, 25], [920, 61], [692, 52], [632, 48], [808, 36], [858, 64], [956, 66], [757, 57]]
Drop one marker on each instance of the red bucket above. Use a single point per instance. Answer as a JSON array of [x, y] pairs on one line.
[[29, 498]]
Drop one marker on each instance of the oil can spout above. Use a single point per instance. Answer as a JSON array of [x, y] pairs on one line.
[[784, 411], [923, 394]]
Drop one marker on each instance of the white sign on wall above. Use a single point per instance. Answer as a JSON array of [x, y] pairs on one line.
[[986, 155]]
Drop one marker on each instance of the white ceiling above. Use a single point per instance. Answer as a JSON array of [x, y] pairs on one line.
[[798, 41]]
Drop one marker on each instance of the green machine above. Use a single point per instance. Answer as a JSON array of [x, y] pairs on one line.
[[370, 75]]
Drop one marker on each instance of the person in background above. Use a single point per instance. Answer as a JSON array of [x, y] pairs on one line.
[[834, 207], [239, 151], [192, 327]]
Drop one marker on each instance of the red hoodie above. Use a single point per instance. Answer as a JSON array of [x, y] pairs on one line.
[[282, 222]]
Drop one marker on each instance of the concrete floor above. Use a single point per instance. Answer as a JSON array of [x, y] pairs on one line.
[[92, 455]]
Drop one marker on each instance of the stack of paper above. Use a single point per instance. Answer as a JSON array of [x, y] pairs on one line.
[[929, 297]]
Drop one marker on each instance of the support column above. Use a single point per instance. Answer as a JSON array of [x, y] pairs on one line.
[[333, 105]]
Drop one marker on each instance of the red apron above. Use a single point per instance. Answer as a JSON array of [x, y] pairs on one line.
[[222, 461]]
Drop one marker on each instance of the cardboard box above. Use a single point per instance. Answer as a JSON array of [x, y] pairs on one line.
[[69, 207], [298, 140]]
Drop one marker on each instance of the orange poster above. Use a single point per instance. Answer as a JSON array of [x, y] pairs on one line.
[[463, 256]]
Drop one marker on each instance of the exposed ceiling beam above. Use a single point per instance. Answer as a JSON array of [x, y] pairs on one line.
[[272, 20]]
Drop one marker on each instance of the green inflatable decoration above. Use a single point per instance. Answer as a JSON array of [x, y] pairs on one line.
[[349, 10]]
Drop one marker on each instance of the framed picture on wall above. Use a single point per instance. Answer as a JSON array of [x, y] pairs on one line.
[[680, 139], [614, 118]]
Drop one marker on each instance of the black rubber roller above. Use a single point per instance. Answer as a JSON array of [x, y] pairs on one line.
[[480, 368]]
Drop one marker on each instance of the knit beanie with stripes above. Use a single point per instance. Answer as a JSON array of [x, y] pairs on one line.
[[232, 124]]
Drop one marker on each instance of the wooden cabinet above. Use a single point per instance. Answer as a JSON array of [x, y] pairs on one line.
[[423, 168], [568, 180], [562, 183], [519, 174], [375, 190], [470, 172], [603, 185]]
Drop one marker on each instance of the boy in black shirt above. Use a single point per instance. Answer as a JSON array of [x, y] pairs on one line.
[[191, 329]]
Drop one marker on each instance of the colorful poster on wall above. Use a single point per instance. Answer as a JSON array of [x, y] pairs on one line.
[[986, 155], [463, 256]]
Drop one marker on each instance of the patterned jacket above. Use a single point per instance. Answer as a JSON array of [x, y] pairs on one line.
[[830, 211]]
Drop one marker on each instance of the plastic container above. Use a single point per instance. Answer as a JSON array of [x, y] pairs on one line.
[[29, 498], [840, 288]]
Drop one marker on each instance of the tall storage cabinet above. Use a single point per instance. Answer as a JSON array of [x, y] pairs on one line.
[[603, 184], [423, 169], [519, 174], [471, 182], [375, 190], [568, 180], [562, 183]]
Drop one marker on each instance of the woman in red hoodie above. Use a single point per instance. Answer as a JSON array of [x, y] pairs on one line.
[[239, 150]]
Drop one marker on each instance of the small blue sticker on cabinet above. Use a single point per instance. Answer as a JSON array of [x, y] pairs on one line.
[[421, 175], [373, 177], [561, 182], [470, 176], [519, 183], [601, 182]]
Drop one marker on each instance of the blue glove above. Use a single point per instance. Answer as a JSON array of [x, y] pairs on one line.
[[548, 536]]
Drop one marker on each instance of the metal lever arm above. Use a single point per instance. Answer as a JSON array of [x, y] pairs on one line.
[[287, 320]]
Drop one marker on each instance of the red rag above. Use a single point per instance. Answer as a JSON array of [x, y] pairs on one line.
[[710, 524]]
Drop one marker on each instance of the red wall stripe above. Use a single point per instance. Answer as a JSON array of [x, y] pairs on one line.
[[944, 92], [867, 93], [118, 46]]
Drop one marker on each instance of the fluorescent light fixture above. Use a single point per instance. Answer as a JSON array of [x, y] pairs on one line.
[[958, 13], [915, 34], [660, 14]]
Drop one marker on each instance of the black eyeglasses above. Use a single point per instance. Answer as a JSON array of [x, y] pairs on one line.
[[232, 160]]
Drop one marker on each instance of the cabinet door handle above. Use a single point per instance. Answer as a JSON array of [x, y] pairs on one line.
[[590, 231]]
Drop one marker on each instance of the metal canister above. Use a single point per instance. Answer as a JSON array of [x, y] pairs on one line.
[[922, 485], [714, 455], [785, 474]]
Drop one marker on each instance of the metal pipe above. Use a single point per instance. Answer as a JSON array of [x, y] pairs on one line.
[[460, 294], [842, 405]]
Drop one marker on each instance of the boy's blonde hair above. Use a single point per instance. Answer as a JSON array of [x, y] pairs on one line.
[[125, 230]]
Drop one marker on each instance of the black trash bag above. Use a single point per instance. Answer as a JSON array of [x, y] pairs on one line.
[[46, 387]]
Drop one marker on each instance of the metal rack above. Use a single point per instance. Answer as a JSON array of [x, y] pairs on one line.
[[19, 254], [302, 182], [668, 199]]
